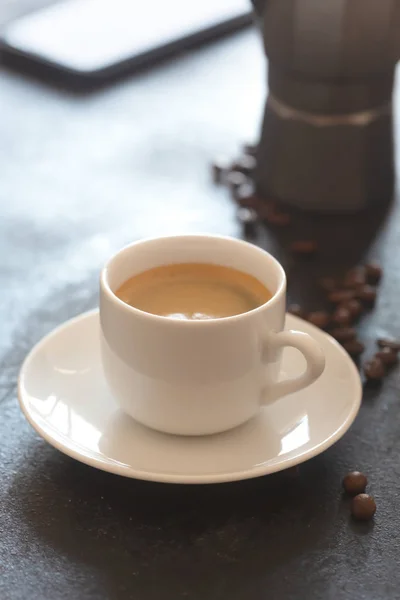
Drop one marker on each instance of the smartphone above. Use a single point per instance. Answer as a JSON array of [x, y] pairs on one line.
[[96, 38]]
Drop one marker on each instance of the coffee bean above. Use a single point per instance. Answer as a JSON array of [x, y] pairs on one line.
[[296, 310], [339, 296], [374, 369], [388, 356], [343, 334], [250, 149], [367, 293], [245, 164], [342, 316], [245, 196], [329, 284], [279, 219], [374, 272], [355, 483], [246, 215], [217, 171], [319, 318], [305, 247], [354, 278], [354, 347], [355, 307], [388, 343], [363, 507], [235, 179]]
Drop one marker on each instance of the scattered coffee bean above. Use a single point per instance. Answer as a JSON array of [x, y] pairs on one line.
[[355, 307], [388, 356], [246, 216], [343, 334], [245, 164], [329, 284], [250, 149], [374, 369], [342, 316], [374, 272], [296, 310], [363, 507], [235, 179], [355, 483], [268, 212], [388, 343], [367, 293], [354, 347], [217, 170], [245, 196], [354, 278], [319, 318], [339, 296], [305, 247], [279, 219]]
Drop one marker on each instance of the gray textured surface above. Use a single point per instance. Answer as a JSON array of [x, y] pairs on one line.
[[80, 176]]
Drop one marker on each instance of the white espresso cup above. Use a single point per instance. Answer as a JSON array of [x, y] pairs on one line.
[[206, 376]]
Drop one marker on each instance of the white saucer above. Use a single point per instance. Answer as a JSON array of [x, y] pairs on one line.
[[63, 395]]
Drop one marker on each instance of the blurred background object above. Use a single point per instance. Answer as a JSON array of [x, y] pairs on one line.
[[326, 141], [12, 9], [102, 38]]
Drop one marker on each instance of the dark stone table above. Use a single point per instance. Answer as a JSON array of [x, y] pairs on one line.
[[83, 174]]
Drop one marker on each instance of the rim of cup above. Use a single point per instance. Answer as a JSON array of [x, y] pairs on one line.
[[276, 297]]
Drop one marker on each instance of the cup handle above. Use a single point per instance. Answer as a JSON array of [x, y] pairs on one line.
[[311, 351]]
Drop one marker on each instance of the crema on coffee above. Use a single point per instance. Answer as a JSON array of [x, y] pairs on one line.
[[194, 291]]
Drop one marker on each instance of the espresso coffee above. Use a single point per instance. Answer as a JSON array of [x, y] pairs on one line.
[[194, 291]]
